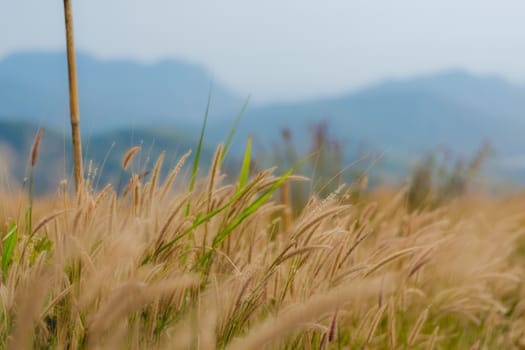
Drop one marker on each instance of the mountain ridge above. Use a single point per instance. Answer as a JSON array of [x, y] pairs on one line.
[[114, 93]]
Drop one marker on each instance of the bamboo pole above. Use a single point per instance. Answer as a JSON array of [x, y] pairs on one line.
[[73, 96]]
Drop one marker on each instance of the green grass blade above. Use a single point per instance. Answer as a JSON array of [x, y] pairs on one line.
[[199, 150], [252, 208], [201, 141], [234, 127], [201, 220], [245, 169], [9, 247]]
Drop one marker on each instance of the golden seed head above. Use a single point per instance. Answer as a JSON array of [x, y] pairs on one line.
[[129, 156], [36, 146]]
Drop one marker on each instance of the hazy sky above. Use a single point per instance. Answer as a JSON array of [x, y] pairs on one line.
[[286, 49]]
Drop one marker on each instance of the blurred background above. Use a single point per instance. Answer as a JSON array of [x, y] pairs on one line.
[[385, 88]]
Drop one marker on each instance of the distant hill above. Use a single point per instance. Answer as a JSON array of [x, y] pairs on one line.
[[451, 109], [113, 93], [404, 119], [105, 151]]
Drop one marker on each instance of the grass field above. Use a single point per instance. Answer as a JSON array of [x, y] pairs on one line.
[[225, 264]]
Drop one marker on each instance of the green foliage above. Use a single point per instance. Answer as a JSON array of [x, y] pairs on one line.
[[43, 244], [199, 221], [249, 210]]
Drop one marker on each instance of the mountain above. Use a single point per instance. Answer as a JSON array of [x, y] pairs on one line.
[[451, 109], [113, 93]]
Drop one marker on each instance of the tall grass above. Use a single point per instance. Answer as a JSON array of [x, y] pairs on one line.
[[138, 271], [218, 265], [435, 181]]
